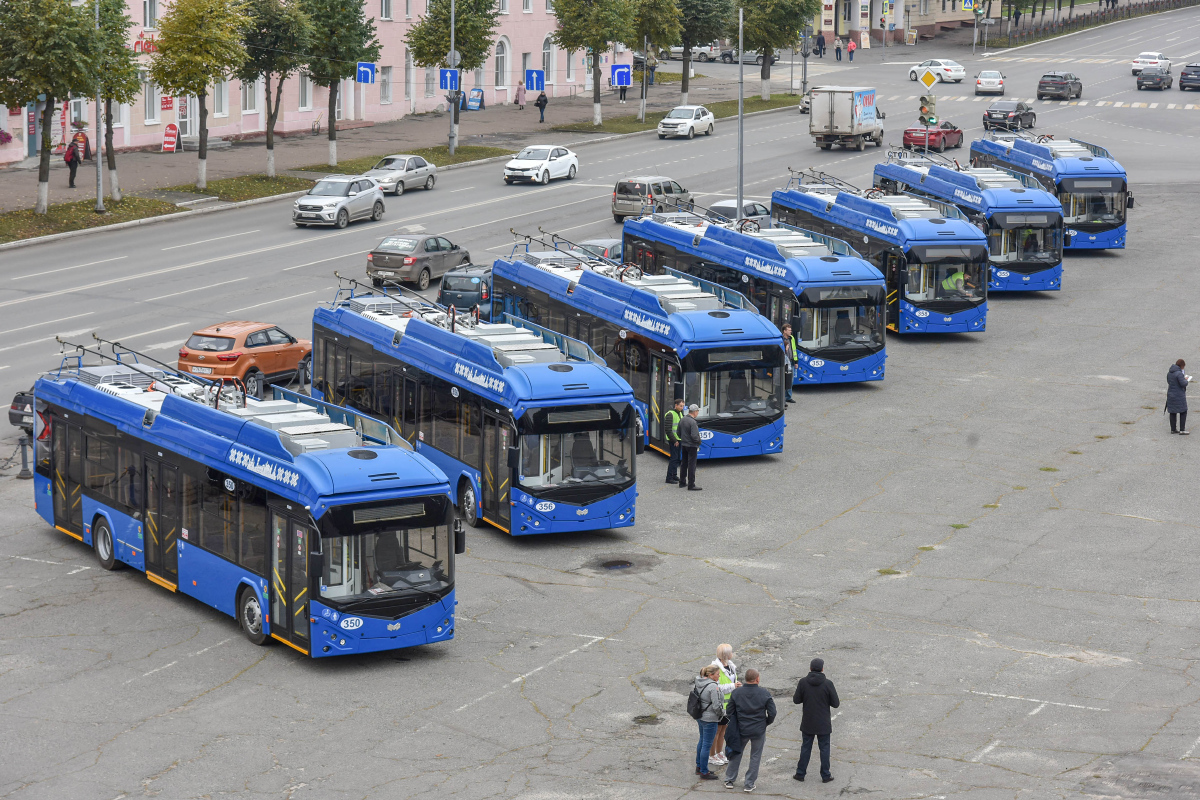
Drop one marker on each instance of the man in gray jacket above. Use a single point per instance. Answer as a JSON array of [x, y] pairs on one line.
[[689, 439], [751, 709]]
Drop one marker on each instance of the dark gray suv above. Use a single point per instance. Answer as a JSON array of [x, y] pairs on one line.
[[1059, 84], [466, 287]]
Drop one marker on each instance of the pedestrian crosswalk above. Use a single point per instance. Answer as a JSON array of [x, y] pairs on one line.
[[1034, 101], [1058, 60]]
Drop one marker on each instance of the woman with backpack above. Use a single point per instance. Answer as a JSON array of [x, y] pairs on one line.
[[706, 705]]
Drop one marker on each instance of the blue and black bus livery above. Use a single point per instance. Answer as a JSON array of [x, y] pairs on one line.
[[833, 298], [535, 436], [933, 260], [1091, 186], [1023, 221], [669, 336], [281, 513]]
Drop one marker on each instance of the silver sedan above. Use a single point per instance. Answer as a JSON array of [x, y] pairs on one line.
[[399, 172]]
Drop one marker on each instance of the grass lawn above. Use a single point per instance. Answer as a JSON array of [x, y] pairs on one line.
[[662, 77], [722, 109], [439, 156], [249, 187], [25, 224]]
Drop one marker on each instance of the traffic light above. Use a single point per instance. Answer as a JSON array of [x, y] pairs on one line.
[[928, 115]]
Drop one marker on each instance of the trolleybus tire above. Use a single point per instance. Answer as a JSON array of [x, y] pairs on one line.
[[250, 615], [423, 280], [429, 182], [468, 504], [254, 383], [377, 211], [343, 218], [102, 541]]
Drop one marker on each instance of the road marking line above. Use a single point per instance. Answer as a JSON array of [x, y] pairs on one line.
[[38, 560], [1033, 700], [156, 330], [464, 189], [44, 339], [159, 669], [1190, 750], [520, 678], [210, 647], [323, 260], [1154, 105], [1036, 710], [48, 322], [206, 241], [197, 289], [986, 750], [268, 302], [64, 269]]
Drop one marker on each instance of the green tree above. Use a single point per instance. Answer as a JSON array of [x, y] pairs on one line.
[[703, 21], [276, 40], [770, 26], [474, 32], [200, 42], [659, 22], [342, 37], [47, 47], [590, 25], [118, 75]]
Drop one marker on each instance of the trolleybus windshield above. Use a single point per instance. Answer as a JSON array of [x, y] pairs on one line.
[[841, 317], [1093, 201], [946, 273], [1032, 240], [571, 448], [734, 383]]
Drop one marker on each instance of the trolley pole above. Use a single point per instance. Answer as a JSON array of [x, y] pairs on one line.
[[741, 93]]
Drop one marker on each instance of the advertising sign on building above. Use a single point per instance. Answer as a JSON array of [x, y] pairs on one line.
[[166, 103]]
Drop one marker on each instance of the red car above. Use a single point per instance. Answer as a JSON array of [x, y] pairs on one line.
[[946, 134]]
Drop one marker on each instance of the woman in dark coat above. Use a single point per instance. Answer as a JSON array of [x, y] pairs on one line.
[[1177, 383]]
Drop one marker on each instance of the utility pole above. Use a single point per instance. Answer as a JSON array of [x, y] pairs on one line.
[[805, 51], [645, 70], [454, 62], [741, 94], [96, 149]]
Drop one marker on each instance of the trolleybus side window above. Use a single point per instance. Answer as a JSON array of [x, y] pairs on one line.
[[101, 468]]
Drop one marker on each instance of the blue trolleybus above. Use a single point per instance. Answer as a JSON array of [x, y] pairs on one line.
[[1023, 221], [1090, 185], [832, 297], [536, 434], [671, 336], [933, 259], [309, 525]]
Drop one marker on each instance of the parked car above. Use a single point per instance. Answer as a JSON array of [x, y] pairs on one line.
[[20, 413], [1059, 84], [727, 210], [700, 52], [687, 121], [1150, 60], [945, 134], [654, 193], [750, 57], [396, 173], [989, 81], [540, 163], [466, 287], [943, 68], [256, 353], [605, 248], [1155, 78], [1189, 78], [414, 258], [338, 200], [1009, 114]]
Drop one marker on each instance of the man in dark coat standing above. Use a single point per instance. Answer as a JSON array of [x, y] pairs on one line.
[[689, 440], [1177, 383], [816, 693], [752, 708]]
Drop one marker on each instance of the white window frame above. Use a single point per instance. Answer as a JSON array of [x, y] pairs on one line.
[[501, 64], [249, 92], [152, 100], [385, 86], [924, 8], [502, 6], [150, 15], [549, 59], [570, 67], [526, 6], [385, 9], [306, 93], [549, 6], [220, 99], [431, 83], [408, 75]]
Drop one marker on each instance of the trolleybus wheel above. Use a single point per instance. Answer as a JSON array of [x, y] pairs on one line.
[[250, 616], [468, 504], [254, 383], [377, 212], [423, 280], [343, 218], [102, 540]]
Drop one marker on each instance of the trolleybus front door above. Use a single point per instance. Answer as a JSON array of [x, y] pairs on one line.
[[290, 540], [162, 523], [68, 477], [498, 437]]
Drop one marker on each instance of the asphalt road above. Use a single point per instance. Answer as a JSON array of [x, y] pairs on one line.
[[1032, 633]]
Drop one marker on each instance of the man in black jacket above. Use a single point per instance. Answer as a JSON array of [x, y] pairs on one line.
[[689, 439], [816, 693], [751, 709]]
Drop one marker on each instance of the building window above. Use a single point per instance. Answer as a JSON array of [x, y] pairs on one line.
[[79, 110], [430, 82], [526, 64], [570, 67], [408, 75], [502, 6], [150, 14], [337, 103], [305, 93], [549, 6], [250, 97], [479, 77], [152, 97], [501, 65], [408, 9], [924, 8], [385, 85], [385, 9], [548, 59], [527, 6], [220, 99]]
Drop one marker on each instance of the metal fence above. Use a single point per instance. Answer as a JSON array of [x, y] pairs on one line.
[[1047, 30]]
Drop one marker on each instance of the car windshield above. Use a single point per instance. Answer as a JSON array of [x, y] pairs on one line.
[[331, 188], [398, 244], [742, 382], [841, 317], [951, 64], [595, 249], [1054, 78], [209, 344], [1148, 57], [1150, 72], [1003, 107], [534, 154], [460, 283], [390, 163], [680, 113], [952, 272], [387, 564], [1034, 239], [989, 74]]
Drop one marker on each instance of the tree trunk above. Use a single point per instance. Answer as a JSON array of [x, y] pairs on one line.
[[1071, 13], [597, 117], [272, 117], [764, 74], [333, 90], [43, 196], [687, 70], [109, 152], [202, 150]]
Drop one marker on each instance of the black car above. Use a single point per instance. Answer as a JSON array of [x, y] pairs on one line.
[[1189, 78], [1154, 78], [1009, 114], [467, 287], [1059, 84], [20, 413]]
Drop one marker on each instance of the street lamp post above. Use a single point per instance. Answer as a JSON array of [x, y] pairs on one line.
[[805, 52], [96, 149], [454, 61]]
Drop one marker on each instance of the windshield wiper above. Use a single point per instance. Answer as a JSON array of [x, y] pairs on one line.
[[352, 604]]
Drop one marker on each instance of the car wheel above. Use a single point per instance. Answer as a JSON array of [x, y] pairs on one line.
[[250, 616], [912, 76], [254, 384], [377, 282], [468, 506], [545, 177], [571, 175], [399, 189], [958, 80], [662, 136], [691, 133], [102, 541], [702, 58], [617, 218], [861, 144], [1039, 97], [1032, 121], [727, 59], [942, 145], [709, 132], [423, 280], [429, 182], [377, 211], [301, 225], [959, 142], [343, 218], [758, 61]]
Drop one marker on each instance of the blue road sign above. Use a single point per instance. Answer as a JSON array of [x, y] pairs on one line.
[[535, 80], [622, 75], [449, 80], [366, 73]]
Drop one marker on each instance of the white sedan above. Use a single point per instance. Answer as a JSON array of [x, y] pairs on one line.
[[1151, 60], [540, 163], [686, 121], [943, 68]]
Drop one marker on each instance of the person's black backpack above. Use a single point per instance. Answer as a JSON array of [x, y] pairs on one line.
[[695, 708]]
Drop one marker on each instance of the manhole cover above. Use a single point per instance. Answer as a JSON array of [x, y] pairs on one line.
[[617, 564]]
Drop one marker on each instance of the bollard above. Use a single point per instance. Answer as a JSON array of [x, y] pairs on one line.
[[23, 443]]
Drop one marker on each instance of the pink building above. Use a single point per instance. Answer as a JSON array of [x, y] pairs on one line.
[[238, 111]]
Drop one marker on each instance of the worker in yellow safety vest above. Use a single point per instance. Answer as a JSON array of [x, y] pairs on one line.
[[671, 434], [727, 681]]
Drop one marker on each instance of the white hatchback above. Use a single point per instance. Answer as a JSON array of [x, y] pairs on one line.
[[540, 163], [1151, 60], [686, 121], [944, 69]]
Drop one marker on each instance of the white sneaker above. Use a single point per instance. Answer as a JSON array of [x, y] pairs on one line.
[[718, 759]]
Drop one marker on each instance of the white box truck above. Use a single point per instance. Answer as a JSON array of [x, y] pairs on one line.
[[845, 115]]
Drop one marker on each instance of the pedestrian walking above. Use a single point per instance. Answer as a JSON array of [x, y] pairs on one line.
[[751, 710], [704, 705], [622, 89], [816, 693], [1016, 17], [78, 150], [850, 48], [689, 440], [820, 45], [727, 681], [837, 48], [521, 94], [1176, 406], [792, 358], [541, 102], [671, 434]]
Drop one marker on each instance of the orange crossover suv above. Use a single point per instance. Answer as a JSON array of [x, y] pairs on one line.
[[257, 353]]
